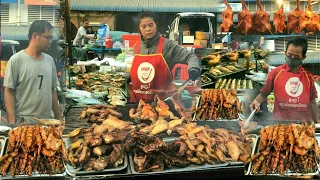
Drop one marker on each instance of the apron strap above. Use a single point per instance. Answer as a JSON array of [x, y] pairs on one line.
[[137, 48], [160, 45]]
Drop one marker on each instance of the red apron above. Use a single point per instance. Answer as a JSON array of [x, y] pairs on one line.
[[149, 72], [292, 96]]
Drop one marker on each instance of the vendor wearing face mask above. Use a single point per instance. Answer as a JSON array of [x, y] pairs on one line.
[[293, 87], [154, 59]]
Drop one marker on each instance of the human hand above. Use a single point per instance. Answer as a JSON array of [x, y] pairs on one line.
[[255, 105], [194, 73]]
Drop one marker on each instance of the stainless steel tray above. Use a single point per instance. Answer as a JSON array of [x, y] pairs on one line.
[[191, 167], [4, 143], [254, 138], [287, 173], [241, 98], [72, 172], [209, 82]]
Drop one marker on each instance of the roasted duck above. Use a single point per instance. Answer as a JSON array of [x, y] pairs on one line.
[[213, 59], [232, 56], [294, 19], [309, 20], [279, 19], [261, 20], [227, 18], [244, 19]]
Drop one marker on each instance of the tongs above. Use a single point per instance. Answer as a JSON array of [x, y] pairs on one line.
[[247, 122], [180, 89]]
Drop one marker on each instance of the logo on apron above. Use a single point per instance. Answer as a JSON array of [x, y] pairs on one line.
[[146, 72], [294, 87]]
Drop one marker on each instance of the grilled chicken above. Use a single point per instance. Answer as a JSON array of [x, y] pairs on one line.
[[244, 19], [309, 20], [279, 19], [227, 18], [294, 19], [261, 20]]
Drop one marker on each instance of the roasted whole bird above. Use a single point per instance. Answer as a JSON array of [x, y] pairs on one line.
[[227, 18], [34, 149], [279, 19], [309, 20], [244, 19], [261, 20], [293, 24], [286, 147], [98, 113]]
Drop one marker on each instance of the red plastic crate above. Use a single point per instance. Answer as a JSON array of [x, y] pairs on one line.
[[131, 38]]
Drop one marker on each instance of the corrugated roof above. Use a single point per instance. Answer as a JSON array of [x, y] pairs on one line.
[[20, 33], [278, 59], [139, 5]]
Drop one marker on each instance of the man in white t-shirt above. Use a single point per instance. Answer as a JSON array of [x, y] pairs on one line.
[[82, 33]]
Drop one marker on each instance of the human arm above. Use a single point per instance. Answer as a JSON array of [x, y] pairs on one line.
[[55, 106], [314, 110], [264, 92], [175, 54], [83, 32], [9, 101]]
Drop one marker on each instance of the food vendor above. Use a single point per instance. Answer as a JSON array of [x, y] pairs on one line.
[[293, 86], [82, 34], [31, 79], [155, 56]]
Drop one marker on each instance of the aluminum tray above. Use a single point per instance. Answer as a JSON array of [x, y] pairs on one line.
[[209, 82], [241, 98], [287, 173], [254, 138], [4, 144], [191, 167], [73, 172], [227, 74]]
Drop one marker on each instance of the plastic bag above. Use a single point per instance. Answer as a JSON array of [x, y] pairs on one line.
[[102, 34]]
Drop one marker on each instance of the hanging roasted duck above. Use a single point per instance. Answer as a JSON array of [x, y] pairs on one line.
[[279, 19], [309, 20], [244, 19], [294, 19], [261, 20], [227, 18]]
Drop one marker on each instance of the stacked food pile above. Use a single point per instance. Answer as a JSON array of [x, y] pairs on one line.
[[98, 113], [284, 148], [223, 70], [101, 146], [34, 149], [90, 81], [233, 84], [197, 145], [219, 104]]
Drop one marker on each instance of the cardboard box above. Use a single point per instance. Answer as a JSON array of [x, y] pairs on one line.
[[202, 35], [187, 39], [202, 43], [186, 33], [217, 46]]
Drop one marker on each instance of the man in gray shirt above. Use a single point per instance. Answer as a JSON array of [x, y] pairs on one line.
[[31, 78], [82, 33]]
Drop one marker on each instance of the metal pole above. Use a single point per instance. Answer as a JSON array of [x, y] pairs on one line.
[[18, 17]]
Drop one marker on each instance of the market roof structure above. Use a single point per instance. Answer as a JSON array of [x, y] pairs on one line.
[[20, 33], [139, 5]]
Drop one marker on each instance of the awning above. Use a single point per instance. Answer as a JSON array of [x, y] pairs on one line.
[[140, 5], [279, 58], [20, 33]]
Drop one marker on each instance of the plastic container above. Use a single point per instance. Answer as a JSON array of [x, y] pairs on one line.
[[132, 38], [108, 42]]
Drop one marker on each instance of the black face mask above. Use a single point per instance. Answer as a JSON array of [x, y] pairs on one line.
[[293, 62]]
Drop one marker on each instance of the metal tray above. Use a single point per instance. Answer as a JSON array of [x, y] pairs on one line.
[[241, 98], [191, 167], [209, 82], [254, 138], [287, 173], [4, 144], [73, 172], [225, 75]]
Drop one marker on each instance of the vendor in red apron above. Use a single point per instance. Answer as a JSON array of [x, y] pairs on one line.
[[293, 87], [154, 59]]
